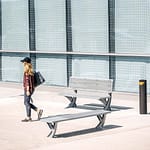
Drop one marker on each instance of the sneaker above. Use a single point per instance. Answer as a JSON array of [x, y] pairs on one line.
[[26, 120], [40, 114]]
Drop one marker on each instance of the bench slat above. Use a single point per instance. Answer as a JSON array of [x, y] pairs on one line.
[[86, 94], [65, 117], [97, 84]]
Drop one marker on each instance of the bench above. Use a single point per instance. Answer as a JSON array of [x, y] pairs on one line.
[[52, 121], [100, 89]]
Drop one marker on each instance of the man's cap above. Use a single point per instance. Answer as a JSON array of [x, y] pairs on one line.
[[26, 59]]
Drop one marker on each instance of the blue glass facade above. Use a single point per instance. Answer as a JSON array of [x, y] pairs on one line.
[[84, 38]]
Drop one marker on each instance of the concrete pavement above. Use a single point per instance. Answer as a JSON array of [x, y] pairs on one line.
[[124, 129]]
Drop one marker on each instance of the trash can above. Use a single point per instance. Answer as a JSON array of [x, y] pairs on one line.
[[143, 96]]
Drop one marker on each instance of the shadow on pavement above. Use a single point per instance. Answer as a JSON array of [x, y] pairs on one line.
[[86, 131], [93, 106]]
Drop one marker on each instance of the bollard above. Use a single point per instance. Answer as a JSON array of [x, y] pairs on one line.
[[143, 96]]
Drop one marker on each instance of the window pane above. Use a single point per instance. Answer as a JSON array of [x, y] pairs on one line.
[[50, 25], [15, 25], [90, 25], [94, 67], [129, 71], [53, 68], [12, 68], [132, 26]]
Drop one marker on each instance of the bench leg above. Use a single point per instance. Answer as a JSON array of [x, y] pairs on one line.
[[72, 101], [53, 127], [101, 119], [106, 102]]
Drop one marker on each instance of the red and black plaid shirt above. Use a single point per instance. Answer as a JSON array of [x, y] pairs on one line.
[[28, 81]]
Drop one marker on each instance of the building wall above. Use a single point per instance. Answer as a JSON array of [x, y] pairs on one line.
[[84, 38]]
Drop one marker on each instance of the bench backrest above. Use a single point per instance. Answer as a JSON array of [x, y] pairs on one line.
[[94, 84]]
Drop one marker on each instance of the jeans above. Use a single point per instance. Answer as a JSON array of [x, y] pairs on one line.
[[28, 105]]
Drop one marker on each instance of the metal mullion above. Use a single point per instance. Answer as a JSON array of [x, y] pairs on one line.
[[111, 29], [0, 40], [68, 39], [32, 38]]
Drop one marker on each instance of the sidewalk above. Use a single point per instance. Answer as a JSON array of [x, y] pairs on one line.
[[124, 129]]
